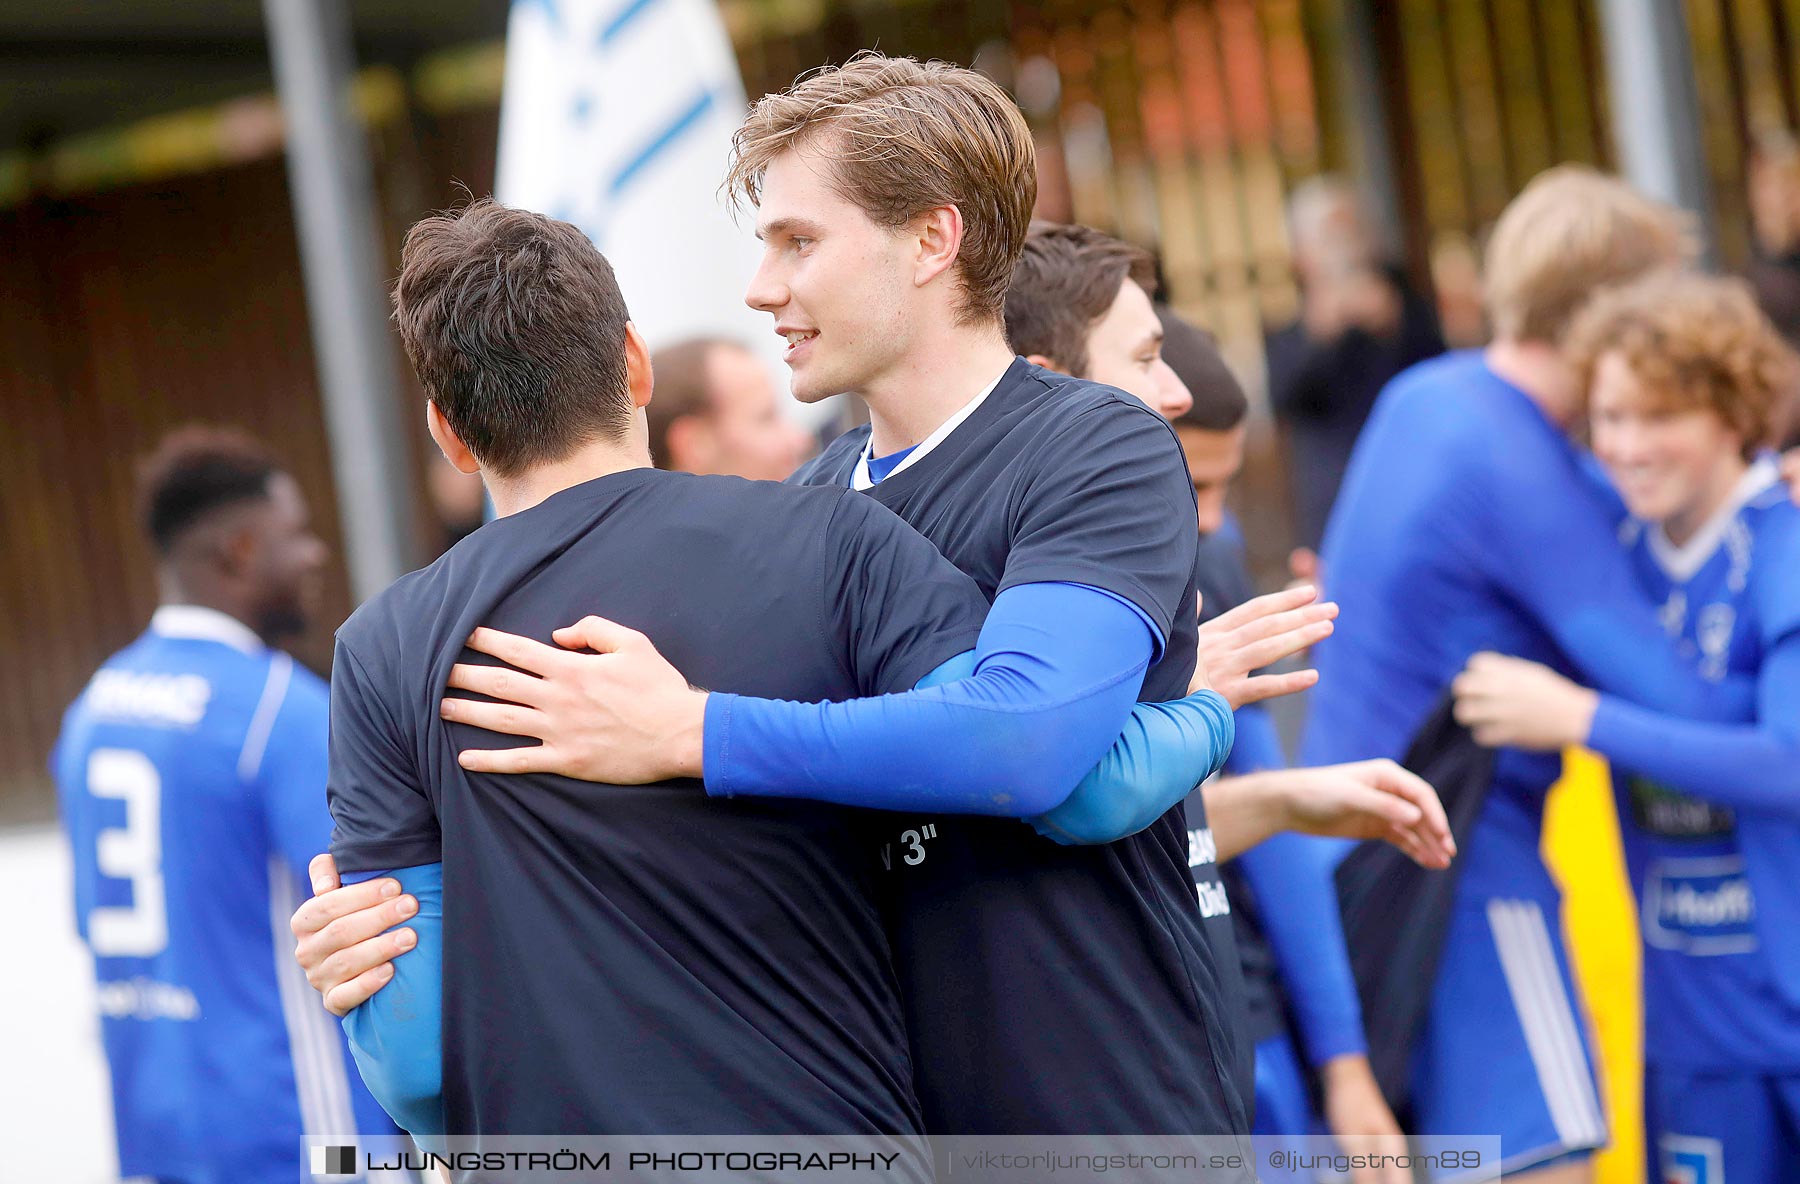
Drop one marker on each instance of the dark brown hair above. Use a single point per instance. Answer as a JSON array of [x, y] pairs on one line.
[[517, 329], [1219, 401], [907, 137], [1065, 280]]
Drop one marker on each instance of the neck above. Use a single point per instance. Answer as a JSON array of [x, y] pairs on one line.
[[1684, 524], [913, 398], [201, 589], [599, 458], [1538, 369]]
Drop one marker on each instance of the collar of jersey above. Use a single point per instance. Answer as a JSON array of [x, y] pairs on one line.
[[1682, 563], [859, 476], [193, 622]]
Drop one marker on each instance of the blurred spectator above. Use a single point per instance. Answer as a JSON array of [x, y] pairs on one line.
[[191, 773], [1360, 324], [1456, 278], [717, 411], [1774, 184]]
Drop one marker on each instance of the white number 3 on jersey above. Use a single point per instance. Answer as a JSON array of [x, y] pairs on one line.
[[131, 852]]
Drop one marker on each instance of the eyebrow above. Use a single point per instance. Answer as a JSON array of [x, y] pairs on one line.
[[788, 226], [1153, 337]]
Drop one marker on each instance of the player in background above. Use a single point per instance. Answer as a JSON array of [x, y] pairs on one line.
[[1686, 382], [1467, 522], [191, 775], [1079, 303], [717, 411]]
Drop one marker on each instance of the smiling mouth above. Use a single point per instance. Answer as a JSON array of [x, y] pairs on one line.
[[797, 337]]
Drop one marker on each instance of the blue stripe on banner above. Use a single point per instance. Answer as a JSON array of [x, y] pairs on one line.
[[677, 128], [550, 11], [613, 28]]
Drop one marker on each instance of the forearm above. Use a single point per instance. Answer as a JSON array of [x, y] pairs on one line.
[[1747, 766], [1291, 875], [1165, 750], [1056, 672], [396, 1036], [1244, 811]]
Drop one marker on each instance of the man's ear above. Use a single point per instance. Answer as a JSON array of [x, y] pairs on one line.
[[940, 235], [638, 376], [1046, 363], [448, 442]]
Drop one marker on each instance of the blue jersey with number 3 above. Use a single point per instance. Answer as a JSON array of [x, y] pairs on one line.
[[191, 772]]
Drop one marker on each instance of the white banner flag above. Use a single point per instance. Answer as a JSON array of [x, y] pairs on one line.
[[617, 116]]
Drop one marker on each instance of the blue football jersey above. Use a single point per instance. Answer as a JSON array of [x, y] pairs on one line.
[[191, 773], [1711, 995]]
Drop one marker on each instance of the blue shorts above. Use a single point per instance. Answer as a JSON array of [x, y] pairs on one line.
[[1503, 1050], [1709, 1128]]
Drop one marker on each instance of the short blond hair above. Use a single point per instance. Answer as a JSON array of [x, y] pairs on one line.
[[1693, 341], [1569, 233], [909, 136]]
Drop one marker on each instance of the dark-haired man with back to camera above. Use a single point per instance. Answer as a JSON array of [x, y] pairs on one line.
[[191, 775]]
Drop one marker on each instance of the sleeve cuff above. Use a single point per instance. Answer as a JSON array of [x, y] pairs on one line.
[[715, 744]]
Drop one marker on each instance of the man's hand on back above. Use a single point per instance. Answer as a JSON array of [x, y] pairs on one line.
[[1255, 634], [619, 714], [343, 944]]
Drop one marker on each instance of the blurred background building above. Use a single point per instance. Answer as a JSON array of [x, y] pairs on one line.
[[150, 270]]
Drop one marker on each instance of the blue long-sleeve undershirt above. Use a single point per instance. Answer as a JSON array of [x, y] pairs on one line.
[[1057, 671], [397, 1035], [1747, 766], [1291, 876]]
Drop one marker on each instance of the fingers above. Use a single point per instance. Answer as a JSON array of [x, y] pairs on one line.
[[518, 651], [533, 758], [1258, 654], [499, 682], [322, 910], [509, 718], [597, 634], [355, 961], [1406, 784], [1271, 686], [323, 873], [1263, 606], [1277, 624], [341, 1000]]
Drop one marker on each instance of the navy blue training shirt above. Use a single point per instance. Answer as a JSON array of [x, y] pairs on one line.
[[645, 959], [1053, 989]]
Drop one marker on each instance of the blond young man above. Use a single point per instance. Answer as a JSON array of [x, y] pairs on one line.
[[1468, 522]]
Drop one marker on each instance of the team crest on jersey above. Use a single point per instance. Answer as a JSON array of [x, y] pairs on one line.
[[1688, 1160]]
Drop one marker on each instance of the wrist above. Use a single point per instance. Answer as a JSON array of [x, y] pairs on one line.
[[1350, 1067], [1585, 704], [687, 749]]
